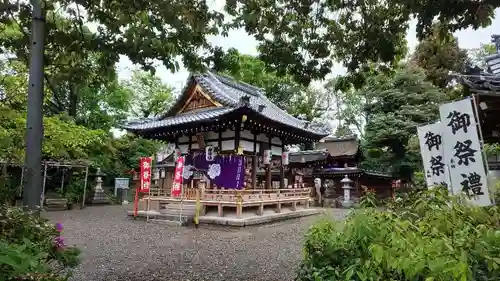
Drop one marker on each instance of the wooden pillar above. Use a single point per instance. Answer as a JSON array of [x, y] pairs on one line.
[[282, 176], [260, 212], [268, 166], [358, 185], [255, 160], [268, 176], [237, 132], [219, 141]]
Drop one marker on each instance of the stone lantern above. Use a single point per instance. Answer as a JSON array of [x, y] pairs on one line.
[[99, 176], [99, 196], [347, 186]]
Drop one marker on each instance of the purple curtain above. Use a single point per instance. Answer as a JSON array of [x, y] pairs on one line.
[[226, 171]]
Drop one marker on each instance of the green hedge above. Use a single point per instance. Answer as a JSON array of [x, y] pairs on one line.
[[426, 236]]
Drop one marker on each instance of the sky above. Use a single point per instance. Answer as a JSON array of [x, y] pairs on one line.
[[246, 44]]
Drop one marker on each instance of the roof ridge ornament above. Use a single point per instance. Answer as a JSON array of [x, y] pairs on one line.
[[245, 101], [495, 39]]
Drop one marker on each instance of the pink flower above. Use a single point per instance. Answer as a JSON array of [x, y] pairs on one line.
[[59, 227], [59, 242]]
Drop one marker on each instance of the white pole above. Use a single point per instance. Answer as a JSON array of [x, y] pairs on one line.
[[85, 187], [182, 198], [42, 198], [149, 204]]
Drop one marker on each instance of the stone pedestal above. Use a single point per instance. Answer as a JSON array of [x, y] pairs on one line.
[[125, 196], [317, 188], [329, 193], [347, 186], [99, 196]]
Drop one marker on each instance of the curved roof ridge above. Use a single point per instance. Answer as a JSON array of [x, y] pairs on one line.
[[240, 85]]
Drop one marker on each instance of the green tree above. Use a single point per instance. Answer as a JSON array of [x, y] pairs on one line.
[[13, 77], [310, 104], [302, 37], [439, 54], [477, 56], [252, 70], [103, 106], [98, 106], [395, 105], [343, 130], [151, 96], [68, 70], [283, 91], [350, 107], [144, 32]]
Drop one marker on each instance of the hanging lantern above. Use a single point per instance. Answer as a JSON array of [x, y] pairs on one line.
[[266, 159], [209, 153], [284, 158]]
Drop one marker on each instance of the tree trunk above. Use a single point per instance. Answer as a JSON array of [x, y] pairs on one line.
[[73, 101]]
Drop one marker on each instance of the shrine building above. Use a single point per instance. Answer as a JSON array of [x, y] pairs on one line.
[[484, 86], [232, 139], [335, 160]]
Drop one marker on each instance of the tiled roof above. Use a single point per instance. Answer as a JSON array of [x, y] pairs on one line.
[[339, 147], [489, 80], [308, 155], [192, 116], [493, 61], [476, 79], [229, 93], [342, 171]]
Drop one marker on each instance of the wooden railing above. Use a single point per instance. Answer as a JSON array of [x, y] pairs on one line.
[[249, 195], [228, 195], [187, 193]]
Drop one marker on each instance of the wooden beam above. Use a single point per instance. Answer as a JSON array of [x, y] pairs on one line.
[[237, 131], [197, 89]]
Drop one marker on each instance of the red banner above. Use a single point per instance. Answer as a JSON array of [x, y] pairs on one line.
[[145, 166], [177, 184]]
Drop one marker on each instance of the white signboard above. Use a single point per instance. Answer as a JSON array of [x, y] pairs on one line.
[[431, 147], [462, 151]]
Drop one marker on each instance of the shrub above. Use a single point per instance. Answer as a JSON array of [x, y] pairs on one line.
[[32, 248], [431, 238], [369, 198]]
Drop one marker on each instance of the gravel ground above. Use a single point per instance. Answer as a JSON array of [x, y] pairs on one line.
[[117, 248]]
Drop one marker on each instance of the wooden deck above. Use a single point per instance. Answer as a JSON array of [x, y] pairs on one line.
[[238, 199]]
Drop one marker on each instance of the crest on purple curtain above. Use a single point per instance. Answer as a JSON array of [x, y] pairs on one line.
[[226, 171]]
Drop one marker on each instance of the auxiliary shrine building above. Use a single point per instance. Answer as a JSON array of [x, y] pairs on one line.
[[484, 86], [233, 140]]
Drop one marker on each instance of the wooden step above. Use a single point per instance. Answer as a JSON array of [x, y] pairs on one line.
[[56, 201], [56, 204]]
